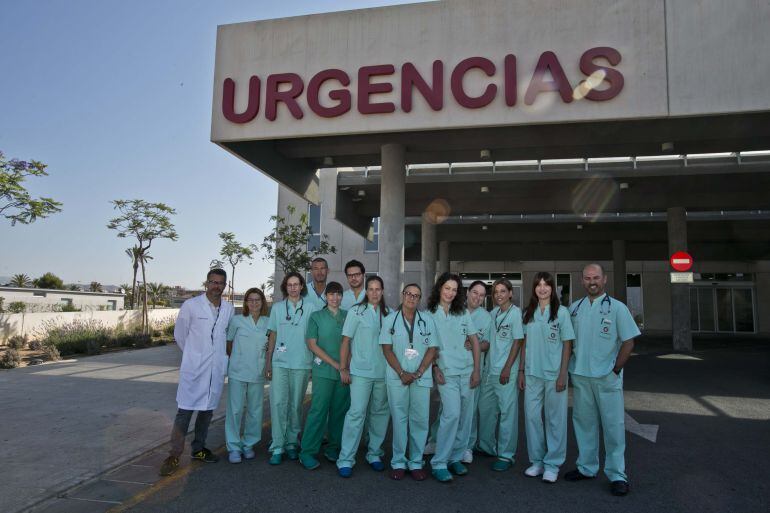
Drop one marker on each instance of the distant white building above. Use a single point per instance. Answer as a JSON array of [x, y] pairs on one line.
[[48, 300]]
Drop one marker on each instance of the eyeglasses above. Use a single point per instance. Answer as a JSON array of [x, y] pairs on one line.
[[354, 275], [412, 296], [218, 283], [253, 300]]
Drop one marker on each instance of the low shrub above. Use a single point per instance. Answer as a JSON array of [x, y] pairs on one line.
[[10, 359], [17, 307], [35, 345], [51, 353], [78, 336], [17, 342]]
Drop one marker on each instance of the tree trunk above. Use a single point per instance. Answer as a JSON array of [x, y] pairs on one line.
[[133, 285], [145, 327], [232, 285]]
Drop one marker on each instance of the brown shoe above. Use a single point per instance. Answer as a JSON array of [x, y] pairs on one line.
[[169, 466], [419, 474], [397, 474]]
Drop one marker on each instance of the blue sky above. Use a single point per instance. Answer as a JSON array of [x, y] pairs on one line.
[[115, 97]]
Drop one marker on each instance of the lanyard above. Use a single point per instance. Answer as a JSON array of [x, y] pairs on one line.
[[497, 325], [409, 330], [215, 324]]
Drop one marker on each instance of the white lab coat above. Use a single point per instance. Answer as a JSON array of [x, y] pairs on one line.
[[204, 354]]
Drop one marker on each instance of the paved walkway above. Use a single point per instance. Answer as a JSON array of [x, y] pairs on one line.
[[64, 423]]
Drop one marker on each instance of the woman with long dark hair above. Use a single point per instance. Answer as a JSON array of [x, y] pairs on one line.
[[288, 366], [499, 399], [363, 368], [247, 347], [456, 374], [543, 377], [409, 344]]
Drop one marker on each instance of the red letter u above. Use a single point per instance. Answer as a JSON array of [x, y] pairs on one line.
[[228, 101]]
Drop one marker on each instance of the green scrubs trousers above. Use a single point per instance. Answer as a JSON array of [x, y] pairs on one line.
[[455, 421], [547, 447], [240, 395], [367, 395], [410, 409], [328, 406], [499, 411], [287, 392], [600, 401]]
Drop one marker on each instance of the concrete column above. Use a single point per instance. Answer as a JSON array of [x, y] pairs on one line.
[[443, 257], [619, 269], [428, 256], [392, 212], [680, 292]]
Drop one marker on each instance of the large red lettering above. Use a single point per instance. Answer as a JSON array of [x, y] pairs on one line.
[[548, 63], [612, 76], [411, 78], [342, 96], [458, 91], [366, 89], [511, 90], [228, 101], [273, 94]]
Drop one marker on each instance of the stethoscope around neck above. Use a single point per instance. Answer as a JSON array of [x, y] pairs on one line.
[[422, 326], [605, 306], [301, 311]]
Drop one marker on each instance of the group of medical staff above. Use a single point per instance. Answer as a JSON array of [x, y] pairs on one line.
[[371, 363]]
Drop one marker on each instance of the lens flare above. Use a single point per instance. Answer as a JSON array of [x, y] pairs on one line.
[[437, 211], [592, 82], [593, 195]]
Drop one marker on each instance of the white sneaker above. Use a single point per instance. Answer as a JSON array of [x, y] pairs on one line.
[[430, 448], [234, 456], [467, 456], [534, 470], [549, 476]]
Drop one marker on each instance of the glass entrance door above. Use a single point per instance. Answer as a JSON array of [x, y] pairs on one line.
[[722, 309]]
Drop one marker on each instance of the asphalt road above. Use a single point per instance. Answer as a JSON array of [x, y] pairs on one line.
[[712, 453]]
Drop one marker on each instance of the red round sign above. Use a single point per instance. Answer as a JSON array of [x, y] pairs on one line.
[[681, 261]]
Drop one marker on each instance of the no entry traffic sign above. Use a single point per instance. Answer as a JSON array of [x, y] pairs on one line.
[[681, 261]]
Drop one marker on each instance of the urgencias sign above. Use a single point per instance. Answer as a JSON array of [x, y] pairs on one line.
[[547, 76]]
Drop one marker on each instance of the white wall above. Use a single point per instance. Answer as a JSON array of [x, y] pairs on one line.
[[31, 324], [44, 300]]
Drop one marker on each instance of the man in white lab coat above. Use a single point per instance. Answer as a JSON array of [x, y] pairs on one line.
[[200, 333]]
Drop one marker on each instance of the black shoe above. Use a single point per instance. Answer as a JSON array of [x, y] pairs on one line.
[[619, 488], [205, 455], [575, 475]]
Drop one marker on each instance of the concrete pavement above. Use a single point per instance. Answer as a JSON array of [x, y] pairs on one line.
[[66, 422]]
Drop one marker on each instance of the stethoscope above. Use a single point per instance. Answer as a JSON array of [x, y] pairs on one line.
[[361, 311], [422, 326], [605, 306], [498, 325], [219, 309], [295, 320]]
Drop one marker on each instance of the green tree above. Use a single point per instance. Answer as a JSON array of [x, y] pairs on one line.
[[233, 253], [49, 281], [17, 307], [287, 244], [72, 286], [95, 287], [158, 293], [21, 281], [145, 222], [16, 204]]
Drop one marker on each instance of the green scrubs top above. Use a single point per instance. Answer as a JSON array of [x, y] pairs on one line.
[[289, 322], [363, 325], [483, 322], [454, 359], [545, 342], [409, 354], [600, 329], [349, 299], [506, 327], [327, 330], [247, 360], [317, 300]]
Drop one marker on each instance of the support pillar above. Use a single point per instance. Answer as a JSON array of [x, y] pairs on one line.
[[619, 270], [443, 257], [392, 218], [428, 256], [680, 292]]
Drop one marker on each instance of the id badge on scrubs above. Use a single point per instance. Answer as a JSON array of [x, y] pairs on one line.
[[317, 361], [605, 327], [553, 336], [281, 349], [411, 354]]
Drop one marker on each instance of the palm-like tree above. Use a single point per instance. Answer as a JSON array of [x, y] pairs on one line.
[[95, 287], [21, 281], [136, 256], [156, 292]]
